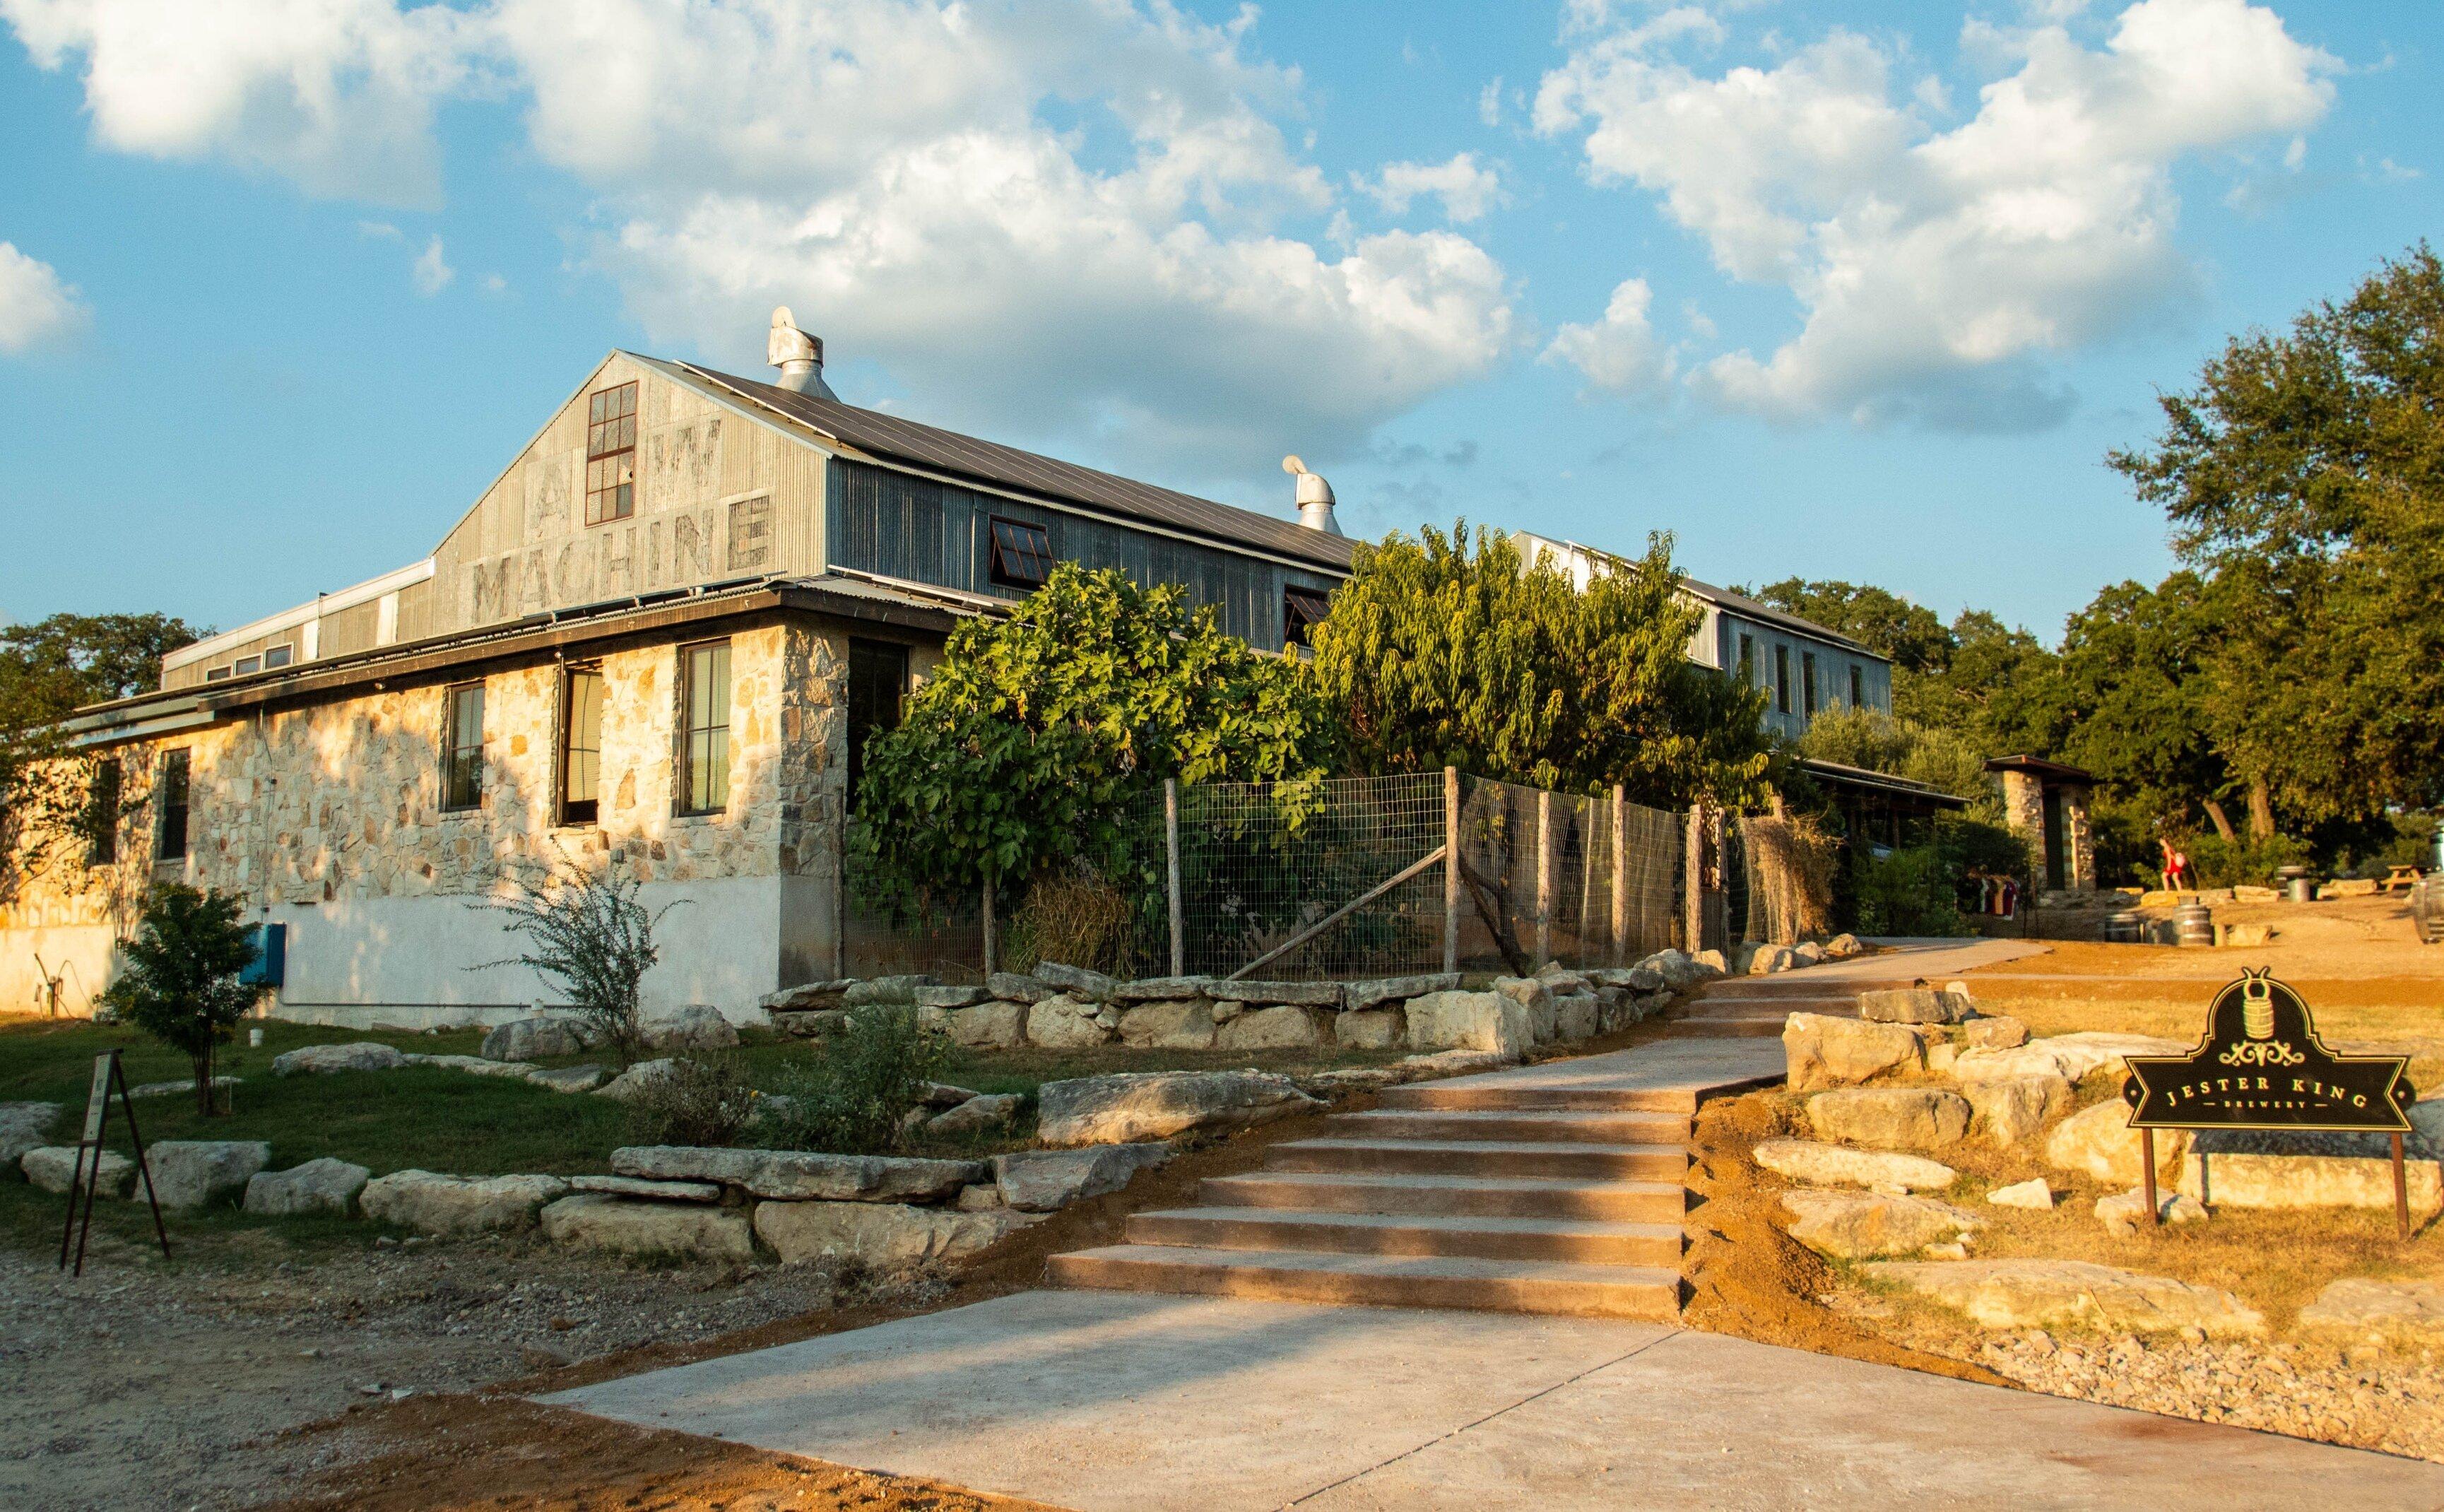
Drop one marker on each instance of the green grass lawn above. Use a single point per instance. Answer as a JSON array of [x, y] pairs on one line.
[[436, 1118]]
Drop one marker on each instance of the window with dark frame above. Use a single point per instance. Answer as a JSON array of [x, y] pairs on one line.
[[581, 745], [611, 454], [704, 727], [1858, 688], [1781, 679], [217, 674], [1808, 683], [1748, 661], [101, 815], [248, 664], [1303, 609], [877, 690], [173, 794], [1022, 554], [462, 746], [278, 656]]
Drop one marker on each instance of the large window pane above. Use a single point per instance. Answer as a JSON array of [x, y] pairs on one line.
[[580, 747], [173, 807], [704, 746], [462, 748], [878, 683]]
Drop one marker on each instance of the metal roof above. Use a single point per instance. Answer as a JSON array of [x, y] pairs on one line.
[[1840, 775], [926, 446], [2039, 766], [1782, 619]]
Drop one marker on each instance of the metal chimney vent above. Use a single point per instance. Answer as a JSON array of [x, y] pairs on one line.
[[1314, 498], [798, 356]]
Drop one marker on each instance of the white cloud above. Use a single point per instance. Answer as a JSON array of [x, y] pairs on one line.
[[1075, 217], [430, 273], [1938, 268], [1467, 189], [1619, 352], [35, 305], [1489, 103]]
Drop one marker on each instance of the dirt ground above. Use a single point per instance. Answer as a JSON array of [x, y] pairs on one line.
[[373, 1377]]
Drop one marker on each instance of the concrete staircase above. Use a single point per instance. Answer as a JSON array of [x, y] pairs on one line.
[[1755, 1006], [1491, 1192]]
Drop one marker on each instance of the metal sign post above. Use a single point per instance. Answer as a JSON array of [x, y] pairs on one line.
[[2260, 1065], [86, 1183]]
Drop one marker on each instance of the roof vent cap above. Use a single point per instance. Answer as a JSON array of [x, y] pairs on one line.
[[1314, 498], [798, 356]]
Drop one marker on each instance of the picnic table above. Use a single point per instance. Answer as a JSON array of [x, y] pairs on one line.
[[2401, 878]]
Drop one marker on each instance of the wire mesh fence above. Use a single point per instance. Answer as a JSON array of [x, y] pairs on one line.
[[1341, 877]]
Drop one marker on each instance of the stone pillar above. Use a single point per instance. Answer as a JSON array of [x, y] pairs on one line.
[[2079, 870], [2024, 806]]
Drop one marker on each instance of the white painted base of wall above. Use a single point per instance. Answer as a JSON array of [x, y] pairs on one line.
[[79, 954], [421, 962]]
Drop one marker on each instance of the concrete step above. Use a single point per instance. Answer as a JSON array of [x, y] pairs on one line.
[[1601, 1128], [1486, 1157], [1493, 1097], [1471, 1236], [1652, 1202], [1723, 1028], [1382, 1281]]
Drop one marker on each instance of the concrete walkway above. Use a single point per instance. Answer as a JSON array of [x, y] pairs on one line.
[[1134, 1403]]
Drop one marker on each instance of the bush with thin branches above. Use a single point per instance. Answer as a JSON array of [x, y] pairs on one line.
[[587, 932]]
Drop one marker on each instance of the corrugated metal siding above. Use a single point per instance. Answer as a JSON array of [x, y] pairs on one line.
[[350, 630]]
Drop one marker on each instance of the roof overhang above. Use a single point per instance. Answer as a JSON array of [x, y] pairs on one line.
[[2042, 770], [1885, 784]]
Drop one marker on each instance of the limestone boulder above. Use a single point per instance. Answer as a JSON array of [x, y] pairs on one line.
[[473, 1065], [1370, 1028], [1843, 946], [1769, 959], [1711, 963], [54, 1167], [2124, 1212], [629, 1084], [1865, 1225], [1913, 1005], [649, 1231], [1533, 993], [431, 1203], [191, 1174], [691, 1028], [817, 1023], [643, 1190], [185, 1087], [2014, 1112], [807, 997], [983, 1197], [976, 1116], [1000, 1025], [567, 1079], [887, 991], [319, 1186], [800, 1175], [2071, 1057], [1359, 996], [322, 1060], [2358, 1305], [1998, 1033], [1575, 1016], [947, 996], [1680, 971], [534, 1039], [2075, 1293], [1091, 986], [1178, 1023], [883, 1237], [1129, 1107], [2229, 1178], [1270, 994], [1809, 953], [1281, 1026], [1824, 1165], [1066, 1022], [1488, 1021], [1012, 987], [2032, 1194], [2099, 1142], [1824, 1051], [22, 1126], [1890, 1117], [1162, 989], [1042, 1181]]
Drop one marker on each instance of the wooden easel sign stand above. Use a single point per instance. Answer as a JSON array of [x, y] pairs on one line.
[[2260, 1065], [86, 1184]]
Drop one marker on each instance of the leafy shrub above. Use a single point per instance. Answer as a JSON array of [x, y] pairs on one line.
[[588, 933], [703, 1101], [1910, 891], [851, 1099], [2219, 863], [180, 984]]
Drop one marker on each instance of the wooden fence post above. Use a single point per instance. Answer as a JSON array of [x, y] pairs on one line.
[[1451, 869], [1171, 856], [1619, 876], [1543, 878], [1693, 905]]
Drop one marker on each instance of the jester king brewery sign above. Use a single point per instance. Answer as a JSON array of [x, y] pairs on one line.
[[2262, 1066]]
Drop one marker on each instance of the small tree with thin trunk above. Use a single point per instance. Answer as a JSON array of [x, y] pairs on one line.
[[589, 935], [180, 981]]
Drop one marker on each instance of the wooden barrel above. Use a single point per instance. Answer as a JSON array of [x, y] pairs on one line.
[[2125, 929], [2194, 924]]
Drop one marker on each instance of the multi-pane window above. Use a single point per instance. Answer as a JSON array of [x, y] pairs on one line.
[[278, 656], [101, 815], [1808, 683], [1022, 554], [611, 454], [173, 791], [704, 728], [462, 746], [580, 745], [1303, 609], [1748, 661], [1858, 688], [877, 682], [1781, 679], [247, 665]]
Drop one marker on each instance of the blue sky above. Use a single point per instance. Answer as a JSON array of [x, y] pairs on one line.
[[283, 287]]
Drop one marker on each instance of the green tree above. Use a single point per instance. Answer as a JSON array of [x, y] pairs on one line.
[[179, 978], [1436, 655], [1909, 634], [2304, 477], [1022, 750], [2132, 671]]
